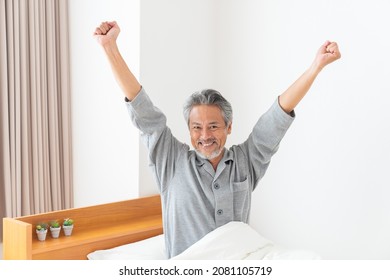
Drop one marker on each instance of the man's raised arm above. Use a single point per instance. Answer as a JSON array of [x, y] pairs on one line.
[[106, 35], [327, 53]]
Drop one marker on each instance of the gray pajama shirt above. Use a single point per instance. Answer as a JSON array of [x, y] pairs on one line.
[[195, 198]]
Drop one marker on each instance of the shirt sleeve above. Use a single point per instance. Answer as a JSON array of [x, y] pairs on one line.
[[265, 139], [162, 146]]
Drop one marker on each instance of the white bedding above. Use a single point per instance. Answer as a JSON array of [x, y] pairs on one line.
[[233, 241]]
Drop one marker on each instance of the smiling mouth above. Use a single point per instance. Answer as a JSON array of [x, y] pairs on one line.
[[206, 144]]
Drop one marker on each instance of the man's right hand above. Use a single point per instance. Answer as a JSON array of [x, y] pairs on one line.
[[106, 33]]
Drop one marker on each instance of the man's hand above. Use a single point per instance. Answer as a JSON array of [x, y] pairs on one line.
[[106, 33], [327, 53]]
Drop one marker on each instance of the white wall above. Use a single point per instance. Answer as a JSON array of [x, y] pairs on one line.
[[327, 188], [105, 144], [177, 59]]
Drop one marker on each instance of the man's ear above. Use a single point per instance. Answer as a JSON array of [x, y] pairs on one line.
[[229, 128]]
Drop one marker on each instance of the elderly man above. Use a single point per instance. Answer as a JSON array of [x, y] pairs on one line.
[[209, 186]]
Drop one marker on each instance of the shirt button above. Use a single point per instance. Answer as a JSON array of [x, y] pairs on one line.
[[220, 212], [216, 186]]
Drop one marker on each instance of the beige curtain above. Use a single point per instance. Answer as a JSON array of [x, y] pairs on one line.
[[35, 125]]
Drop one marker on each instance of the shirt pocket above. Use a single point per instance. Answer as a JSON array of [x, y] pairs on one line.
[[241, 186], [241, 200]]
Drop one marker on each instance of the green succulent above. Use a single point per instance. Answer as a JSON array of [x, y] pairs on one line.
[[42, 226], [54, 224], [67, 222]]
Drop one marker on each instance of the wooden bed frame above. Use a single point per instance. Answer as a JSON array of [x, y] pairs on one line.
[[95, 228]]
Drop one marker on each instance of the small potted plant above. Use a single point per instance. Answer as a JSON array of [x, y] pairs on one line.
[[67, 225], [55, 228], [41, 230]]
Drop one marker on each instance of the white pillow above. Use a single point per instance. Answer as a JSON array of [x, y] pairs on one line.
[[152, 248], [232, 241]]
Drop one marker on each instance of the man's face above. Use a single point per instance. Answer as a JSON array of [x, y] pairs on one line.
[[208, 132]]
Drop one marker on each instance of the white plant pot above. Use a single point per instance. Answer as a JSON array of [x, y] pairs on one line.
[[68, 230], [55, 232], [41, 234]]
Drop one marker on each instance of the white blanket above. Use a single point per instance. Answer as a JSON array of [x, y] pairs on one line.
[[239, 241], [233, 241]]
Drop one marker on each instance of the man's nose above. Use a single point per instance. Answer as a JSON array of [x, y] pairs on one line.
[[206, 133]]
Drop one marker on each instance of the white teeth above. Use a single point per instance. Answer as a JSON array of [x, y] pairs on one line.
[[206, 144]]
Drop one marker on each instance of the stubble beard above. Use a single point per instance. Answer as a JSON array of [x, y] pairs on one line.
[[212, 156]]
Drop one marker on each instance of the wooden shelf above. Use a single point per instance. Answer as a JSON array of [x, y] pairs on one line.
[[96, 227]]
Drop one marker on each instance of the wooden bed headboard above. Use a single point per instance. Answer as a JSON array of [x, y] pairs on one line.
[[95, 228]]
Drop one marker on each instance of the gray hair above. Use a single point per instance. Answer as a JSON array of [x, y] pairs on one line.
[[208, 97]]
